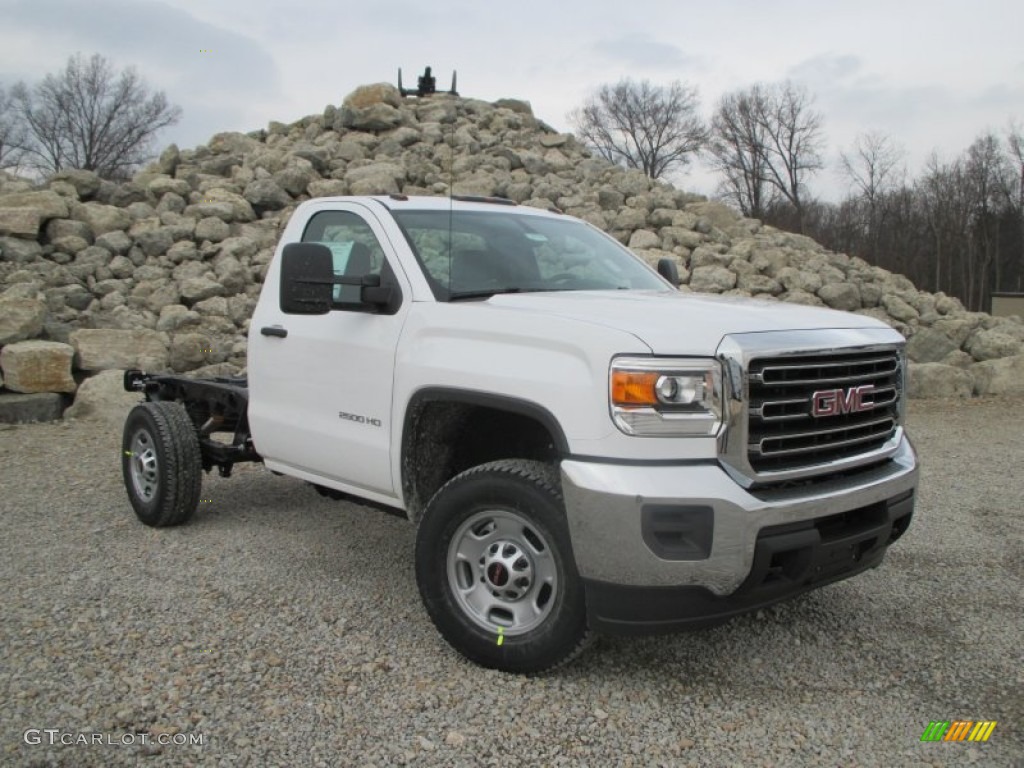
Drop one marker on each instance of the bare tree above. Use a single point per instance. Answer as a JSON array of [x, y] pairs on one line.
[[875, 167], [11, 133], [90, 117], [737, 147], [1015, 191], [768, 134], [795, 141], [639, 125]]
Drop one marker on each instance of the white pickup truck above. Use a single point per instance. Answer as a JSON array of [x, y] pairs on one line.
[[582, 446]]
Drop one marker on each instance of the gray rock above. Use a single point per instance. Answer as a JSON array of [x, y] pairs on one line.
[[161, 185], [794, 279], [294, 180], [37, 366], [756, 283], [374, 118], [49, 204], [190, 351], [115, 242], [376, 93], [182, 252], [102, 218], [211, 228], [176, 316], [58, 228], [844, 296], [644, 239], [19, 250], [265, 194], [223, 204], [22, 222], [102, 397], [898, 308], [27, 409], [20, 319], [999, 377], [155, 242], [100, 349], [929, 346], [328, 188], [992, 344], [198, 288], [938, 380], [86, 183], [712, 279]]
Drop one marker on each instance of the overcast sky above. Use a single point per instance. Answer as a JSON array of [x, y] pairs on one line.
[[931, 73]]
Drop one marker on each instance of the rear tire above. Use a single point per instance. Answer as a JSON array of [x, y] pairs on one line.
[[161, 463], [495, 569]]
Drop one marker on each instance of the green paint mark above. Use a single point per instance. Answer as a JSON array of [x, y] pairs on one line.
[[128, 453], [501, 635]]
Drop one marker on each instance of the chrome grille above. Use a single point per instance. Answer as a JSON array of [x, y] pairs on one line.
[[858, 407]]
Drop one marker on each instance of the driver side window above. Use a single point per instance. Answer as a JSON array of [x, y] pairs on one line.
[[355, 249]]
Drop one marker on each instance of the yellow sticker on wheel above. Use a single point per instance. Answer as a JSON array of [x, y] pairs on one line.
[[501, 635]]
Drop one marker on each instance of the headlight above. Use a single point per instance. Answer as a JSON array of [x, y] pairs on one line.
[[666, 397]]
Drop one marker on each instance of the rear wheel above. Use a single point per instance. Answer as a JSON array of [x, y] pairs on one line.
[[161, 463], [495, 570]]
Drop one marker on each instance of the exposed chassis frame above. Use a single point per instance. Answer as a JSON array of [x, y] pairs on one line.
[[218, 404]]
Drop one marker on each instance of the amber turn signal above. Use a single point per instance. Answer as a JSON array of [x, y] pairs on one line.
[[634, 387]]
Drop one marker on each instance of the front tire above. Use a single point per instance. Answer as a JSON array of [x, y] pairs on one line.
[[495, 569], [161, 463]]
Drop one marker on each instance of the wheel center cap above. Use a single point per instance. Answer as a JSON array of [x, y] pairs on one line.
[[497, 574]]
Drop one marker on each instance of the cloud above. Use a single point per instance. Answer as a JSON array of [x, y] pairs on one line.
[[642, 51], [826, 69], [167, 46]]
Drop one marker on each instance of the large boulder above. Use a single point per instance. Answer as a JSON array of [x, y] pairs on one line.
[[49, 204], [98, 349], [999, 377], [103, 398], [712, 279], [938, 380], [23, 222], [993, 344], [930, 346], [102, 218], [37, 366], [20, 318], [377, 93], [17, 408]]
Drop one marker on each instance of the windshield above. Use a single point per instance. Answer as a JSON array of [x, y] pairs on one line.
[[470, 254]]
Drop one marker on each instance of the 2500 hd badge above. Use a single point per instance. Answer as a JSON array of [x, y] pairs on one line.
[[359, 419]]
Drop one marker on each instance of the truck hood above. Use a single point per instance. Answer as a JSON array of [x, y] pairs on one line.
[[680, 323]]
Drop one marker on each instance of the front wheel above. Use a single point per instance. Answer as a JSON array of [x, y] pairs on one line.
[[494, 567]]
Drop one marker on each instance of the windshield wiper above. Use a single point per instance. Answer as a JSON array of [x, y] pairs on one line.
[[481, 294]]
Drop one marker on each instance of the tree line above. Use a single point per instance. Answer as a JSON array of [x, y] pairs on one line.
[[957, 227]]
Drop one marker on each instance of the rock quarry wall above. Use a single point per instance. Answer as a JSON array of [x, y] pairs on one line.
[[162, 272]]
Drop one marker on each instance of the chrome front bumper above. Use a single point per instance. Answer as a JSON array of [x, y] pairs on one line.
[[713, 522]]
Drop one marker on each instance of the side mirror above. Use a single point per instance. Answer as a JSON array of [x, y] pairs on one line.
[[373, 293], [307, 279], [667, 268]]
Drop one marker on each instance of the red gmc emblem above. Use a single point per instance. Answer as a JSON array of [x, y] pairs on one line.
[[834, 402]]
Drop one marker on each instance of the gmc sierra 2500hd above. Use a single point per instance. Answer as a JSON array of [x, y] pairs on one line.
[[582, 446]]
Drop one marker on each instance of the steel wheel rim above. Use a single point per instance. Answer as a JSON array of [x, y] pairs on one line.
[[144, 466], [502, 572]]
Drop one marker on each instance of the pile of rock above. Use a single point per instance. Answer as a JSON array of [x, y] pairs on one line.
[[163, 272]]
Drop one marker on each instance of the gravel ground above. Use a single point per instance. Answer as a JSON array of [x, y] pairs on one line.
[[286, 629]]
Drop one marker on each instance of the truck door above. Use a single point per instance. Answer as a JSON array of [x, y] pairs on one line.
[[321, 385]]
